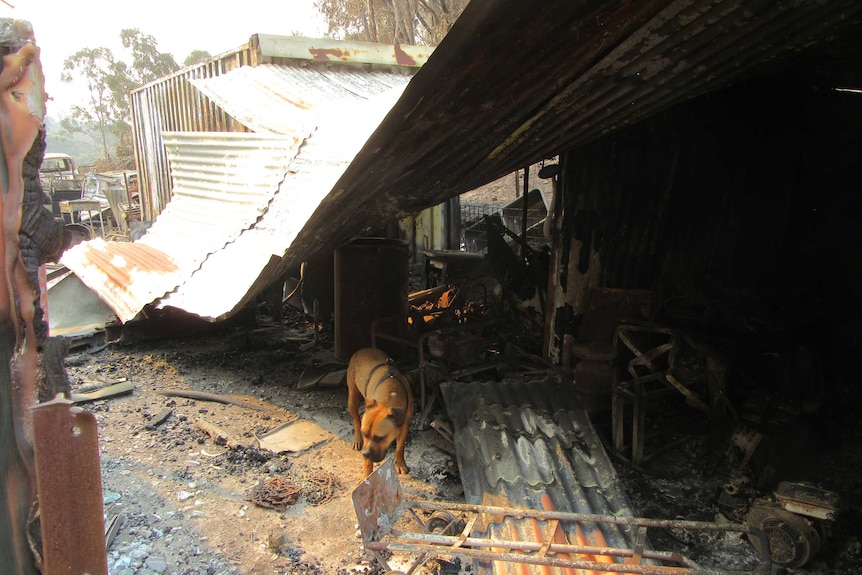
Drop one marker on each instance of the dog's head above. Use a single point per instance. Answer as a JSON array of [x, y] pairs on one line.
[[381, 425]]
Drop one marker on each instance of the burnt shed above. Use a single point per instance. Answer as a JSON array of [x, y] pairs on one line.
[[707, 160], [707, 157], [706, 216]]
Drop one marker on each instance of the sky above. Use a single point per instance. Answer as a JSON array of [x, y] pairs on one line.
[[62, 27]]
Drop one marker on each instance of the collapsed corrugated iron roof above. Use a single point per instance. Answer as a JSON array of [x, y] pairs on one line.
[[239, 198], [517, 82]]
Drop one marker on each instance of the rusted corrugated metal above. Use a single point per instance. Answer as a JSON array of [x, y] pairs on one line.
[[530, 443], [240, 198], [126, 276], [223, 184], [516, 82]]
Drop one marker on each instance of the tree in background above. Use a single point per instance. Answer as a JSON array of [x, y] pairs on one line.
[[417, 22], [109, 80], [97, 68], [148, 63], [196, 57]]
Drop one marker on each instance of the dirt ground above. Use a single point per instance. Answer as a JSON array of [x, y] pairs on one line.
[[192, 502], [186, 497]]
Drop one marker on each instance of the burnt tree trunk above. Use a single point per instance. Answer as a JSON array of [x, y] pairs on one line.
[[29, 237]]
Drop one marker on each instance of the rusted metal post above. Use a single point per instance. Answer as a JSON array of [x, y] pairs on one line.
[[73, 524]]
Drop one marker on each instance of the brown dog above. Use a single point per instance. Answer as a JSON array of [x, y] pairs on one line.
[[371, 374]]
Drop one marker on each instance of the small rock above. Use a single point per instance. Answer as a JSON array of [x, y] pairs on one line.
[[157, 563], [109, 497]]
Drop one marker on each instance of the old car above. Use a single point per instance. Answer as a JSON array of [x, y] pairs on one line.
[[57, 166]]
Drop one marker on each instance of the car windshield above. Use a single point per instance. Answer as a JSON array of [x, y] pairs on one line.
[[55, 165]]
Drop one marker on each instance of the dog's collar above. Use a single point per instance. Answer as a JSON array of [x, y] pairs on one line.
[[390, 374]]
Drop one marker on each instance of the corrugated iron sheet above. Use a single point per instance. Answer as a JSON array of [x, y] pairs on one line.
[[223, 183], [172, 104], [240, 198], [517, 82], [529, 442], [126, 276], [257, 96]]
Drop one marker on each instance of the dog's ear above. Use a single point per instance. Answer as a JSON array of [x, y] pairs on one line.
[[398, 415]]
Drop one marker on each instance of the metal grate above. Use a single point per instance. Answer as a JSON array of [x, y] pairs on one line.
[[473, 237]]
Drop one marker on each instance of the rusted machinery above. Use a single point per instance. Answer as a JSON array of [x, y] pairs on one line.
[[390, 523]]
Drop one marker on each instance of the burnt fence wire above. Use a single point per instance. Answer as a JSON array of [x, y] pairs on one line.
[[473, 229], [473, 236]]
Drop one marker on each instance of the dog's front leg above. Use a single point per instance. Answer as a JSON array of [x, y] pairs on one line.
[[400, 464], [353, 401]]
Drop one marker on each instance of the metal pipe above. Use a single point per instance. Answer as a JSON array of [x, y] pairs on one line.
[[525, 209], [558, 562]]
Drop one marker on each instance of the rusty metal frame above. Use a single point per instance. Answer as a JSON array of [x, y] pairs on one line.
[[379, 506]]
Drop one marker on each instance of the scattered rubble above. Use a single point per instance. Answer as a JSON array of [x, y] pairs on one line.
[[187, 497]]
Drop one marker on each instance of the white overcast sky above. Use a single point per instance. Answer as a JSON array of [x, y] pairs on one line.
[[62, 27]]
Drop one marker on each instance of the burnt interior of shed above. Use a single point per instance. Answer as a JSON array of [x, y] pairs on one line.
[[739, 213], [731, 221]]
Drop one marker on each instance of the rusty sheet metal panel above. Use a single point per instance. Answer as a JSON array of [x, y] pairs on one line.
[[426, 530], [240, 198], [126, 276], [223, 184], [66, 450], [252, 260], [530, 443], [342, 52]]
